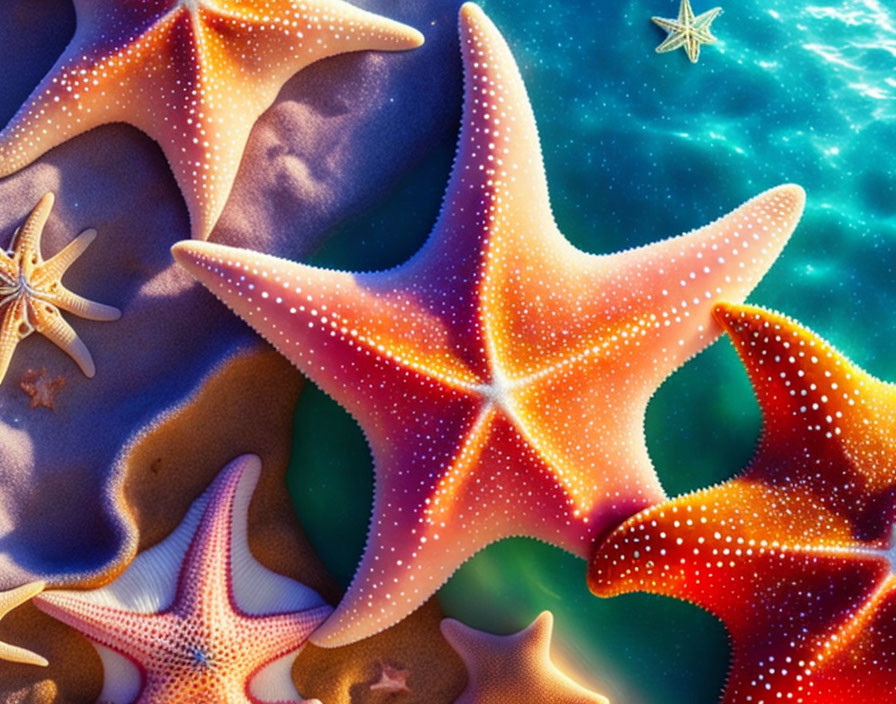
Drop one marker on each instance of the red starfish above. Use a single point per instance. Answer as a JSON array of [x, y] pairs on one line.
[[501, 375], [795, 555]]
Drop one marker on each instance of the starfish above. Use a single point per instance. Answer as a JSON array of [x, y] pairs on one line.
[[687, 31], [194, 75], [797, 554], [392, 680], [42, 388], [8, 601], [31, 292], [501, 376], [514, 668], [202, 620]]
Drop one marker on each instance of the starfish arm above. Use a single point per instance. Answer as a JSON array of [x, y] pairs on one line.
[[276, 635], [686, 13], [9, 270], [671, 26], [134, 635], [813, 397], [702, 21], [48, 321], [54, 268], [83, 307], [26, 247], [672, 42], [692, 47], [13, 653], [729, 550], [14, 329], [8, 601], [219, 562], [515, 667], [498, 180], [78, 94]]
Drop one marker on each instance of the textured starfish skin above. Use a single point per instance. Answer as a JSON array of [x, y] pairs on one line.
[[796, 554], [32, 293], [687, 31], [501, 376], [194, 75], [514, 668], [8, 601], [198, 616]]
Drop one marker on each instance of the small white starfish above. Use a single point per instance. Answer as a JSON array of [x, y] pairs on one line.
[[687, 31]]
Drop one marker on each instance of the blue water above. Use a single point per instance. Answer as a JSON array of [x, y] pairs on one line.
[[640, 146]]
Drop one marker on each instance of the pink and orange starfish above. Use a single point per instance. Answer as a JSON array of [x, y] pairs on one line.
[[501, 375], [796, 555], [194, 75], [203, 622], [514, 668]]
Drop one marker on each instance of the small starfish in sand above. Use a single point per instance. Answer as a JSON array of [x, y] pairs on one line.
[[514, 668], [688, 31], [8, 601], [392, 680], [31, 292], [196, 619], [42, 388]]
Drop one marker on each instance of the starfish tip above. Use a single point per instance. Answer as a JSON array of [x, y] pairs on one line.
[[471, 15]]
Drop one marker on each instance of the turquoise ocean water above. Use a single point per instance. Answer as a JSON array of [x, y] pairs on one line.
[[638, 147]]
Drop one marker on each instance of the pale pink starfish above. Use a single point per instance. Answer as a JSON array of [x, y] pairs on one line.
[[201, 620]]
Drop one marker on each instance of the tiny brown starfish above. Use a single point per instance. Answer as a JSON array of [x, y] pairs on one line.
[[32, 294], [42, 388], [392, 680]]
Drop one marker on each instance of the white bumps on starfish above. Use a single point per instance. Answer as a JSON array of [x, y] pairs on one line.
[[688, 31]]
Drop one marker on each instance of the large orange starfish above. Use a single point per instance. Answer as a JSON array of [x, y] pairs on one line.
[[194, 75], [796, 555], [32, 293], [501, 375], [202, 620]]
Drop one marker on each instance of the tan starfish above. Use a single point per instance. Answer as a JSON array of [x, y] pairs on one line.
[[514, 668], [32, 294], [8, 601], [392, 680], [688, 31]]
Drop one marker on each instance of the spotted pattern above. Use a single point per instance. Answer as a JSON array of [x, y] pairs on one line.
[[501, 376], [197, 615], [32, 293], [194, 75], [796, 555], [514, 668]]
